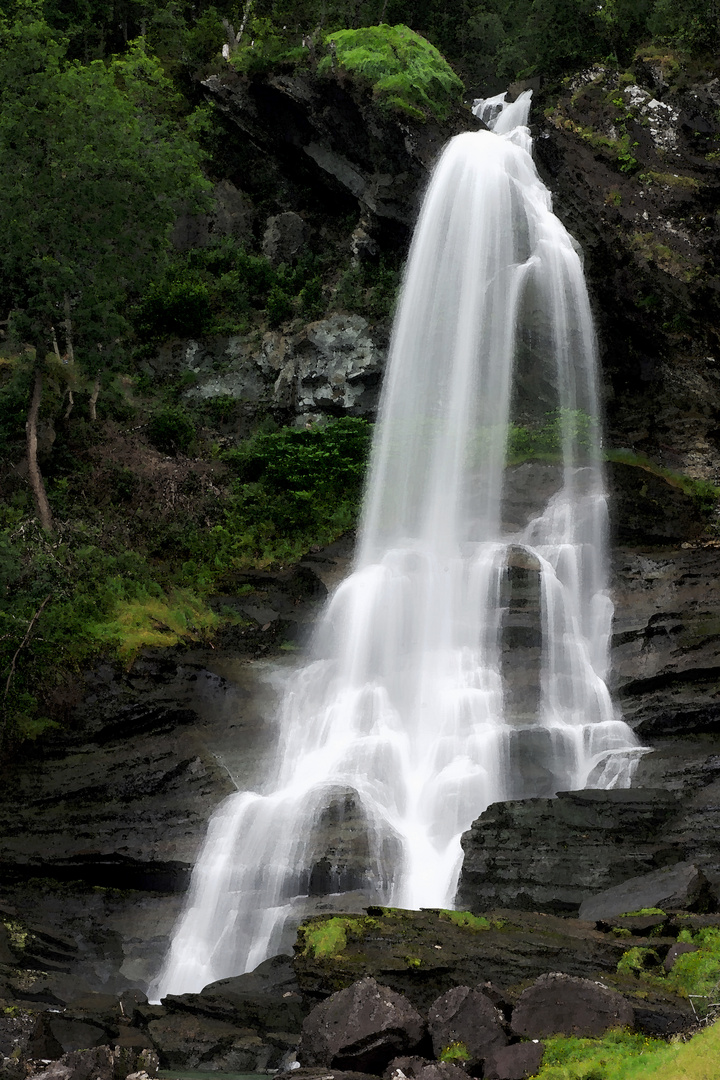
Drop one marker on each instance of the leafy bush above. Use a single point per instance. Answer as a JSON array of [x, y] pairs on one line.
[[405, 71], [171, 430]]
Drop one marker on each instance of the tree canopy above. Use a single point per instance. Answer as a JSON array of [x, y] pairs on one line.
[[93, 172]]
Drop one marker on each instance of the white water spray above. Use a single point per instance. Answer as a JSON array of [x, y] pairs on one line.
[[407, 702]]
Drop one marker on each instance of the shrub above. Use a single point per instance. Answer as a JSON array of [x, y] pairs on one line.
[[171, 430]]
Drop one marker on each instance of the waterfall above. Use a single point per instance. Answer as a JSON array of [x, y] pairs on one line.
[[434, 686]]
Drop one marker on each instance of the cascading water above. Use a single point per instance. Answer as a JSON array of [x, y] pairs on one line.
[[408, 700]]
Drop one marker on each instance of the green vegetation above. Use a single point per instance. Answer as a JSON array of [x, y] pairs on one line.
[[466, 920], [623, 1056], [127, 569], [545, 441], [693, 973], [328, 939], [456, 1053], [404, 70], [642, 911]]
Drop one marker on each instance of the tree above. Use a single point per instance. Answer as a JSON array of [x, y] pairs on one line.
[[94, 169]]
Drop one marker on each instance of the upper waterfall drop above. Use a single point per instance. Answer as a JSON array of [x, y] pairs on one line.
[[468, 558]]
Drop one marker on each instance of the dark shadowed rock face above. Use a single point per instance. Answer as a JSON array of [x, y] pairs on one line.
[[363, 1028], [561, 1005], [681, 887], [466, 1016]]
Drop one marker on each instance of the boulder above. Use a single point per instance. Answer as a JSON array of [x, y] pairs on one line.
[[514, 1062], [361, 1028], [100, 1063], [558, 1004], [680, 887], [466, 1016], [284, 237]]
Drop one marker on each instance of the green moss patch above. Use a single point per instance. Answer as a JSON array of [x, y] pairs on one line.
[[406, 72], [328, 939], [466, 920]]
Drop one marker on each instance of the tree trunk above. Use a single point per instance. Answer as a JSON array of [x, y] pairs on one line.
[[36, 480], [94, 396]]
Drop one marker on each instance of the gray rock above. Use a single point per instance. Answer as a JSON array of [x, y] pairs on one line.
[[266, 1000], [680, 887], [466, 1016], [559, 1004], [363, 1027], [548, 854], [284, 237], [100, 1063], [680, 948], [515, 1062]]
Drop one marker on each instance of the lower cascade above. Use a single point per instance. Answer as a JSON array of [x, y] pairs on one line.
[[464, 659]]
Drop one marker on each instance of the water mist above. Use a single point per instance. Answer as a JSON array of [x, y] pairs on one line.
[[411, 700]]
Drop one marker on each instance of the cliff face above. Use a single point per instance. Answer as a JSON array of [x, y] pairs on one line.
[[632, 161]]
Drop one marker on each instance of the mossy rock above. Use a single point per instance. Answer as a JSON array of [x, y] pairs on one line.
[[406, 72]]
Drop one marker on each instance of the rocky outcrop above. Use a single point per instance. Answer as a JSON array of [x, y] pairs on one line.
[[427, 953], [331, 367], [674, 888], [331, 136], [626, 157]]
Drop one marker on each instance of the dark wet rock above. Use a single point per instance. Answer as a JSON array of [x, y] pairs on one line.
[[333, 138], [266, 999], [678, 949], [647, 509], [515, 1062], [440, 1070], [100, 1063], [410, 1066], [284, 237], [659, 1014], [547, 854], [185, 1041], [558, 1004], [18, 1041], [74, 1034], [423, 954], [363, 1027], [466, 1016], [681, 887]]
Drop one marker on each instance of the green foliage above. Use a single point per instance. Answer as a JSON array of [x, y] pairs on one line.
[[171, 430], [92, 175], [563, 428], [642, 911], [637, 960], [698, 972], [279, 306], [405, 71], [369, 289], [615, 1056], [213, 290], [293, 488], [456, 1052]]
